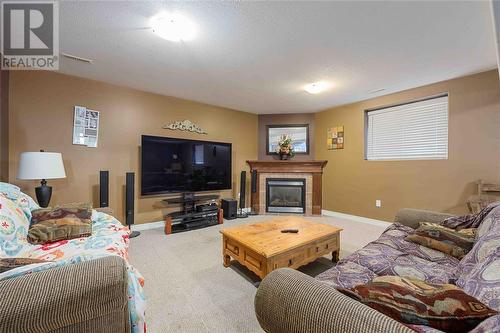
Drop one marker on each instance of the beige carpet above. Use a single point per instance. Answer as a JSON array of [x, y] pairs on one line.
[[188, 289]]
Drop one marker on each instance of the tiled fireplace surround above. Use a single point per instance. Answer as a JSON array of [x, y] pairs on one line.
[[311, 171]]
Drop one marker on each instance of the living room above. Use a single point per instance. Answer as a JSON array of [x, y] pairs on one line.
[[250, 166]]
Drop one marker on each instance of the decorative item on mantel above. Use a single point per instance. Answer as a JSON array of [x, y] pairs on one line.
[[185, 125], [285, 147]]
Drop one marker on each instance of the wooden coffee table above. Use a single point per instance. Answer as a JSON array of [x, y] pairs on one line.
[[262, 247]]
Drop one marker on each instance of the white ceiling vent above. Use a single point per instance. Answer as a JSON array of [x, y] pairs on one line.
[[77, 58]]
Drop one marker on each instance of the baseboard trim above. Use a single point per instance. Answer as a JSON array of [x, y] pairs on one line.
[[148, 226], [356, 218], [379, 223]]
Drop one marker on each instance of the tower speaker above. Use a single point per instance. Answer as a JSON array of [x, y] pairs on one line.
[[243, 180], [129, 202], [229, 207], [103, 188], [253, 187], [253, 183]]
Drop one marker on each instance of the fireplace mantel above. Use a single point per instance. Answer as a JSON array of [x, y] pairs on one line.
[[311, 170], [287, 166]]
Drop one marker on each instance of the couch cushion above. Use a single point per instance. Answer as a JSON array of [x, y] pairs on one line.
[[395, 236], [13, 229], [391, 254], [483, 281], [487, 241], [346, 274]]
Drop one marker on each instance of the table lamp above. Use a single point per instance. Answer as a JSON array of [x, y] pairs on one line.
[[41, 165]]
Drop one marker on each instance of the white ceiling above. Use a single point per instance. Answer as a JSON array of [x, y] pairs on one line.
[[256, 56]]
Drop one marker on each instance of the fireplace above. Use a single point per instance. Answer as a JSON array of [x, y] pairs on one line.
[[286, 195]]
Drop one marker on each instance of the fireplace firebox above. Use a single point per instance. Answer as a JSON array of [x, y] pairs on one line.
[[286, 195]]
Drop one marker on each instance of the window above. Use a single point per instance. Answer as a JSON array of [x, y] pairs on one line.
[[411, 131]]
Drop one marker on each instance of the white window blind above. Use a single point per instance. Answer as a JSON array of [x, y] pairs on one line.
[[412, 131]]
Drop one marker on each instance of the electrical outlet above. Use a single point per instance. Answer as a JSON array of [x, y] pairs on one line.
[[378, 203]]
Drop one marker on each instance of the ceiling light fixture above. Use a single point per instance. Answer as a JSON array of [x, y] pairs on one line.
[[316, 87], [173, 26]]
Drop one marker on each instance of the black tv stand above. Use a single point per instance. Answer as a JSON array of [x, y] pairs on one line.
[[190, 219]]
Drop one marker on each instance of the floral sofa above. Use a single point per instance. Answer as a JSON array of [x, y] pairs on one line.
[[109, 238], [289, 301]]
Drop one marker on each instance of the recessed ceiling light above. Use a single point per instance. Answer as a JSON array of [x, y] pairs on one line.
[[316, 87], [173, 26]]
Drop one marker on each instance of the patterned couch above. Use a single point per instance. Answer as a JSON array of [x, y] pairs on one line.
[[289, 301], [87, 285]]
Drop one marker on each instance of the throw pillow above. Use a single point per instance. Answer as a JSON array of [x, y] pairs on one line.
[[62, 222], [454, 243], [445, 307], [7, 264]]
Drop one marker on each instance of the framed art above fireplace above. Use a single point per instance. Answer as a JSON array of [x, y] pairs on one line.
[[298, 133]]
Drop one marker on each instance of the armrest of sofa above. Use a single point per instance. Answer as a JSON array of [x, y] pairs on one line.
[[412, 217], [290, 301], [86, 297]]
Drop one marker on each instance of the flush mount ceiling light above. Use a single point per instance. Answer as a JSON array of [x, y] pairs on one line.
[[173, 26], [316, 87]]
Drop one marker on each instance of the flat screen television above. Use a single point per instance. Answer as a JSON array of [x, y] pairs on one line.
[[171, 165]]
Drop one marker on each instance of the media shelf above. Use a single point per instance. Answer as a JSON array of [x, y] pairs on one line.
[[191, 218]]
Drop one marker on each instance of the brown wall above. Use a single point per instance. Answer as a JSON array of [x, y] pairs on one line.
[[41, 117], [4, 125], [352, 184], [285, 119]]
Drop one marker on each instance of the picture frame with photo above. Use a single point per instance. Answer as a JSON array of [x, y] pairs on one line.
[[85, 127]]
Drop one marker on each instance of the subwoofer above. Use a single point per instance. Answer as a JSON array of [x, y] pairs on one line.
[[103, 188], [229, 208], [129, 202]]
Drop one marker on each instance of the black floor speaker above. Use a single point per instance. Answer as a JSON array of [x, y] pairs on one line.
[[253, 181], [229, 207], [243, 180], [253, 188], [129, 202], [103, 188]]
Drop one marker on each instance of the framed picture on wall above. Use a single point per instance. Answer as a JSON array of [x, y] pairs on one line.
[[298, 133]]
